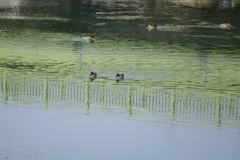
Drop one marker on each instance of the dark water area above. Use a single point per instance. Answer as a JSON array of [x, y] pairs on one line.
[[179, 98]]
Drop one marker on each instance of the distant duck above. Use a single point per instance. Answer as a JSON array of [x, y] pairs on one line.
[[88, 39], [119, 77], [152, 27], [225, 25], [93, 75]]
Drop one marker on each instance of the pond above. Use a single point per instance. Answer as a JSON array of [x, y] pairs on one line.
[[179, 99]]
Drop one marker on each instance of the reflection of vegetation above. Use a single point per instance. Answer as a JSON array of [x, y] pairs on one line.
[[187, 67], [178, 25], [158, 63], [180, 104]]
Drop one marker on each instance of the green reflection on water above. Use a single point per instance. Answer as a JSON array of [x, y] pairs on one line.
[[177, 71], [132, 99], [142, 62]]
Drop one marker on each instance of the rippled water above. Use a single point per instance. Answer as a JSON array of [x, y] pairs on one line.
[[180, 98]]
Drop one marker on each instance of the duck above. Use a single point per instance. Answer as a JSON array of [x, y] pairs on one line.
[[225, 25], [119, 77], [88, 39], [152, 27], [93, 75]]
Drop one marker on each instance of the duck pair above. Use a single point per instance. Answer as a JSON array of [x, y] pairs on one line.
[[119, 77]]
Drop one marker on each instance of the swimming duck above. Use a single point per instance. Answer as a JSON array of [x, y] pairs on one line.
[[88, 39], [151, 27], [119, 77], [225, 25], [93, 75]]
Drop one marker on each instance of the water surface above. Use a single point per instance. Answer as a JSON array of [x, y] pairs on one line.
[[180, 97]]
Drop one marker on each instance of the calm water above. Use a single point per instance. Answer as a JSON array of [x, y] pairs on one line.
[[180, 98]]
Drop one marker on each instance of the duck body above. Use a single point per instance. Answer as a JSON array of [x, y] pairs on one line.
[[88, 39], [119, 77], [93, 75], [225, 25], [151, 27]]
